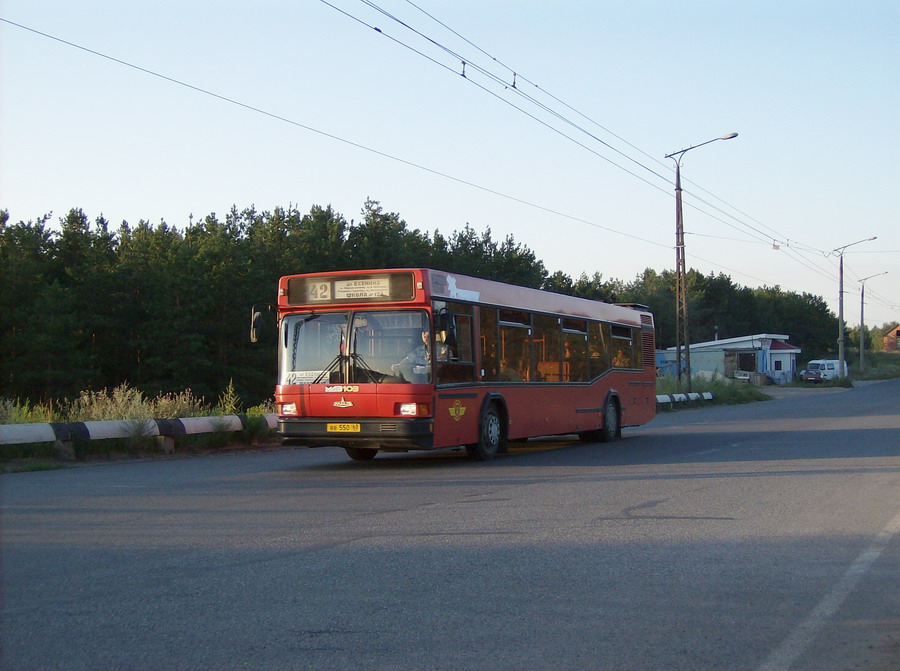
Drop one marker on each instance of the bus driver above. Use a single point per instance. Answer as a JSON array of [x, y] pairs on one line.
[[415, 367]]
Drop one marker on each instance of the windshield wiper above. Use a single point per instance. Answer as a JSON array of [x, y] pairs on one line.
[[360, 364], [335, 363]]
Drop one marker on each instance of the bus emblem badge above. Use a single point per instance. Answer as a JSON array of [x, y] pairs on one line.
[[343, 403], [341, 388], [457, 410]]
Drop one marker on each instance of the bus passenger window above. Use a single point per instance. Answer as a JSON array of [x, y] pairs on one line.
[[598, 345], [623, 346], [461, 366], [515, 357], [574, 355], [547, 349], [489, 343]]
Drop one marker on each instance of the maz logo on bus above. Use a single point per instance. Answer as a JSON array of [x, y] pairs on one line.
[[342, 389]]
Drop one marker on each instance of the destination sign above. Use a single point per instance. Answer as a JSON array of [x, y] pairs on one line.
[[350, 288], [362, 288]]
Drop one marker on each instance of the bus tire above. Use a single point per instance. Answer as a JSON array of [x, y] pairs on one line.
[[360, 453], [612, 428], [491, 435]]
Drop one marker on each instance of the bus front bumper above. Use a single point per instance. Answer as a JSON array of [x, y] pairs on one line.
[[357, 432]]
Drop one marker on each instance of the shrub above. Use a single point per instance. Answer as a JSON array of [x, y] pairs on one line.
[[14, 411], [123, 402], [880, 366], [180, 404], [229, 403]]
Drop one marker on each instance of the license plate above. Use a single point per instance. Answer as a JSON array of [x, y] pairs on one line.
[[342, 428]]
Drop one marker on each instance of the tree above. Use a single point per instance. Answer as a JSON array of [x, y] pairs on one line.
[[26, 266], [517, 264], [165, 308], [805, 317], [383, 240], [656, 291]]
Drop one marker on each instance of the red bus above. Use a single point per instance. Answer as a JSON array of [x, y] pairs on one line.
[[419, 359]]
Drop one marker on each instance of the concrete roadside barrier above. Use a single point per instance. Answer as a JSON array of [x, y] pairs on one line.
[[671, 399], [63, 434]]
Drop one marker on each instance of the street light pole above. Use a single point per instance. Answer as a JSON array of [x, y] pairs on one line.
[[840, 252], [862, 321], [682, 332]]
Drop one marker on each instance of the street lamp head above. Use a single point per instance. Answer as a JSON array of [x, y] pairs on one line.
[[839, 251], [863, 280], [681, 152]]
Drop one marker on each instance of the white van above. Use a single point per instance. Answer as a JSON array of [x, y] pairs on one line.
[[828, 369]]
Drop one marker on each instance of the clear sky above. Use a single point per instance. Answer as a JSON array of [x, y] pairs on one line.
[[811, 86]]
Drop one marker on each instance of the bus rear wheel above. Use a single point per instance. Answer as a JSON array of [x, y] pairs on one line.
[[611, 425], [491, 436], [360, 453]]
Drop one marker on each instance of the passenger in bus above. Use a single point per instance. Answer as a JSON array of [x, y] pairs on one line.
[[508, 373], [622, 360], [574, 364]]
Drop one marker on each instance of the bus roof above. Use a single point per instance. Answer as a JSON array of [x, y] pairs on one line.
[[472, 289], [430, 284]]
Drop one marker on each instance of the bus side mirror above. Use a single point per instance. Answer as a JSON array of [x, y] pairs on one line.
[[255, 316], [256, 319]]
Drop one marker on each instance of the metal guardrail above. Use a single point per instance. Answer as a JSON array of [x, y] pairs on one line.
[[62, 434]]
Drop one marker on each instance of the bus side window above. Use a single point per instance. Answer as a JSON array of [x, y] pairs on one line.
[[464, 338], [547, 348], [575, 352], [489, 336], [598, 346], [623, 345], [515, 359], [461, 366]]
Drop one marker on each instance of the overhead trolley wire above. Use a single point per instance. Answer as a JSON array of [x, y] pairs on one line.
[[387, 155], [795, 250], [760, 235], [331, 136], [472, 66]]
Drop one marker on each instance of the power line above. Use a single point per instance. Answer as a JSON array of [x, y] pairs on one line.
[[467, 63], [759, 235], [332, 136], [398, 159], [756, 233]]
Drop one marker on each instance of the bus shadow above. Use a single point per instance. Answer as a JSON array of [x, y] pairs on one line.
[[643, 449]]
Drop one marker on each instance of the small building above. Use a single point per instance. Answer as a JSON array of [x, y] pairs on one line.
[[753, 357], [891, 339]]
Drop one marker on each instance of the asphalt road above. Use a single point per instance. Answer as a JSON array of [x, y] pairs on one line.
[[754, 537]]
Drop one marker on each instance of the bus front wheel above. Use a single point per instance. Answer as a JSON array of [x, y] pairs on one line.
[[360, 453], [491, 437]]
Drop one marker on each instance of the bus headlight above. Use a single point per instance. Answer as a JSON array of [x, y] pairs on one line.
[[409, 408], [288, 408]]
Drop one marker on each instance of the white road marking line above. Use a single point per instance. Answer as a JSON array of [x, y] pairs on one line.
[[784, 656]]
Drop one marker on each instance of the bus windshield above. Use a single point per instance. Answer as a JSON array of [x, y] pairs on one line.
[[386, 346]]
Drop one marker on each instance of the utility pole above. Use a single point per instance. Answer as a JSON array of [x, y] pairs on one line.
[[840, 252], [682, 331], [862, 321]]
